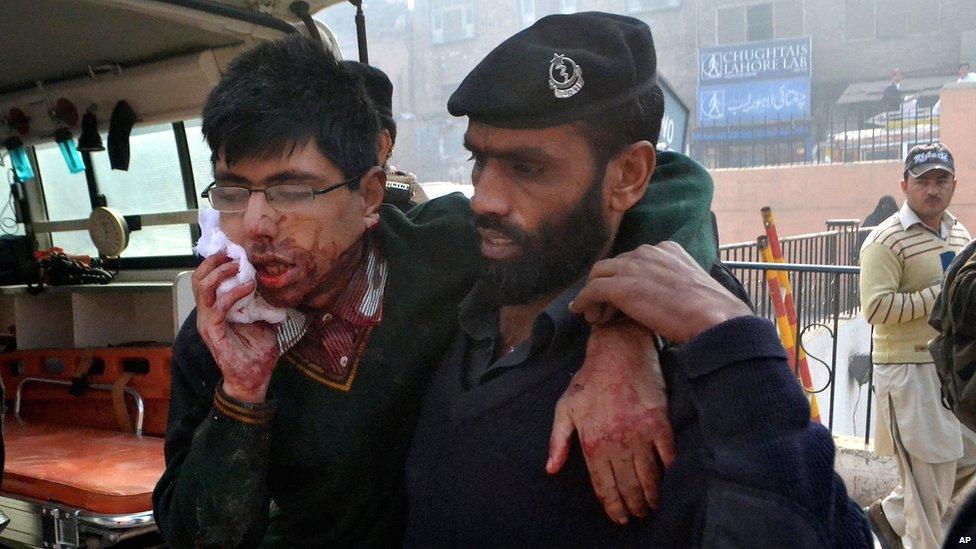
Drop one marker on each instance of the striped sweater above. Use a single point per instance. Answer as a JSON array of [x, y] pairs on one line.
[[901, 274]]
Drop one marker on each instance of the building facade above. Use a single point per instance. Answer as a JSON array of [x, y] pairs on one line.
[[428, 46]]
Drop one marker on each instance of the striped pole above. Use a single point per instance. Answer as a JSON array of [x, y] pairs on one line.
[[782, 322], [787, 333], [769, 222]]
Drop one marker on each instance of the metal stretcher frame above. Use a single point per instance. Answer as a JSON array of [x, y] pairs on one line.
[[49, 524], [140, 405]]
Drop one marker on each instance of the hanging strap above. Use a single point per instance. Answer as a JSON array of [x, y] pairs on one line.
[[118, 402], [79, 379]]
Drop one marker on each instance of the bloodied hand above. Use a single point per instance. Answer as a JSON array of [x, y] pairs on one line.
[[617, 404], [245, 353]]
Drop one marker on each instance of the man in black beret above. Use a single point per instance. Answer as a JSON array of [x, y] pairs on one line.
[[402, 188], [297, 436], [563, 118]]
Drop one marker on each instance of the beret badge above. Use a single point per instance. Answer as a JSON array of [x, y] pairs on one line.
[[565, 76]]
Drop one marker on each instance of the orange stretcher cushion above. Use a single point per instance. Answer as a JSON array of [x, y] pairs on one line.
[[99, 471]]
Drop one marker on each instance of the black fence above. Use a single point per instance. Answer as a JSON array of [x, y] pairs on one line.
[[813, 293], [823, 273], [834, 279], [854, 134]]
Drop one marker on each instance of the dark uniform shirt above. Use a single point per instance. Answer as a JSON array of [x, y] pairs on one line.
[[554, 327]]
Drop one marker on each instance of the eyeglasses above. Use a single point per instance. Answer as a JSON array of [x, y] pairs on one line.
[[289, 196]]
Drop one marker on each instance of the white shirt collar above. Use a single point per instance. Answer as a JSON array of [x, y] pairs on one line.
[[909, 218]]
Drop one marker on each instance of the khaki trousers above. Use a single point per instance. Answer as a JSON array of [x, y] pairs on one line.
[[922, 507]]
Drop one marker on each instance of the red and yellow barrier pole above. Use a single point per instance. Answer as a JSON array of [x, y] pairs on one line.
[[782, 304], [769, 222]]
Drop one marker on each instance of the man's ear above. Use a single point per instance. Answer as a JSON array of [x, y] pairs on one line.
[[635, 164], [372, 188], [386, 147], [904, 185]]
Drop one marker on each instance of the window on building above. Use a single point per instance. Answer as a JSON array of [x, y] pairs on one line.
[[451, 144], [759, 22], [451, 20], [929, 12], [568, 6], [635, 6], [892, 18], [788, 18], [527, 9], [859, 19], [730, 25]]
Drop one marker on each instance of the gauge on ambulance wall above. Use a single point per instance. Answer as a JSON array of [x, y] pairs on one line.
[[108, 231]]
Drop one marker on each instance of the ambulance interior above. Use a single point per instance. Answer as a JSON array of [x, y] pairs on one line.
[[103, 158]]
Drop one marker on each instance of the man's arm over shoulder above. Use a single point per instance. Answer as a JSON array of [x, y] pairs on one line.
[[440, 231], [880, 278], [741, 417], [770, 469], [675, 206], [214, 490], [453, 206]]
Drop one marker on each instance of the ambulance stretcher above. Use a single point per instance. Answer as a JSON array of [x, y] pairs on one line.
[[72, 478]]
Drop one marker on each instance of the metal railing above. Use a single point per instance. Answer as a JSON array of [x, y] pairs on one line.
[[859, 134], [831, 281], [136, 397], [838, 246], [822, 268]]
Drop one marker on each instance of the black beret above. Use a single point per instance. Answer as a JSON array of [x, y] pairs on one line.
[[377, 85], [561, 69]]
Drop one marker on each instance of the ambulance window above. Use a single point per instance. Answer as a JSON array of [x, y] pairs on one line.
[[199, 158], [65, 196], [153, 183]]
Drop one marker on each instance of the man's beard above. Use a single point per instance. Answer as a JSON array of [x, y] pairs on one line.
[[561, 252]]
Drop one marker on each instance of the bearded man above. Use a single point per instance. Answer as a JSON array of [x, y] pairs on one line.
[[296, 436], [560, 156]]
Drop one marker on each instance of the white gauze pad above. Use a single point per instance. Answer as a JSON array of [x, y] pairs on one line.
[[253, 307]]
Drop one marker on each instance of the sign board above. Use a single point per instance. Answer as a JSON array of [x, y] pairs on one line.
[[674, 124], [754, 83]]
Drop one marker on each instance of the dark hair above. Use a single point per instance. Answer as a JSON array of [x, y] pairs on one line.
[[287, 92], [612, 130], [963, 64], [378, 88]]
